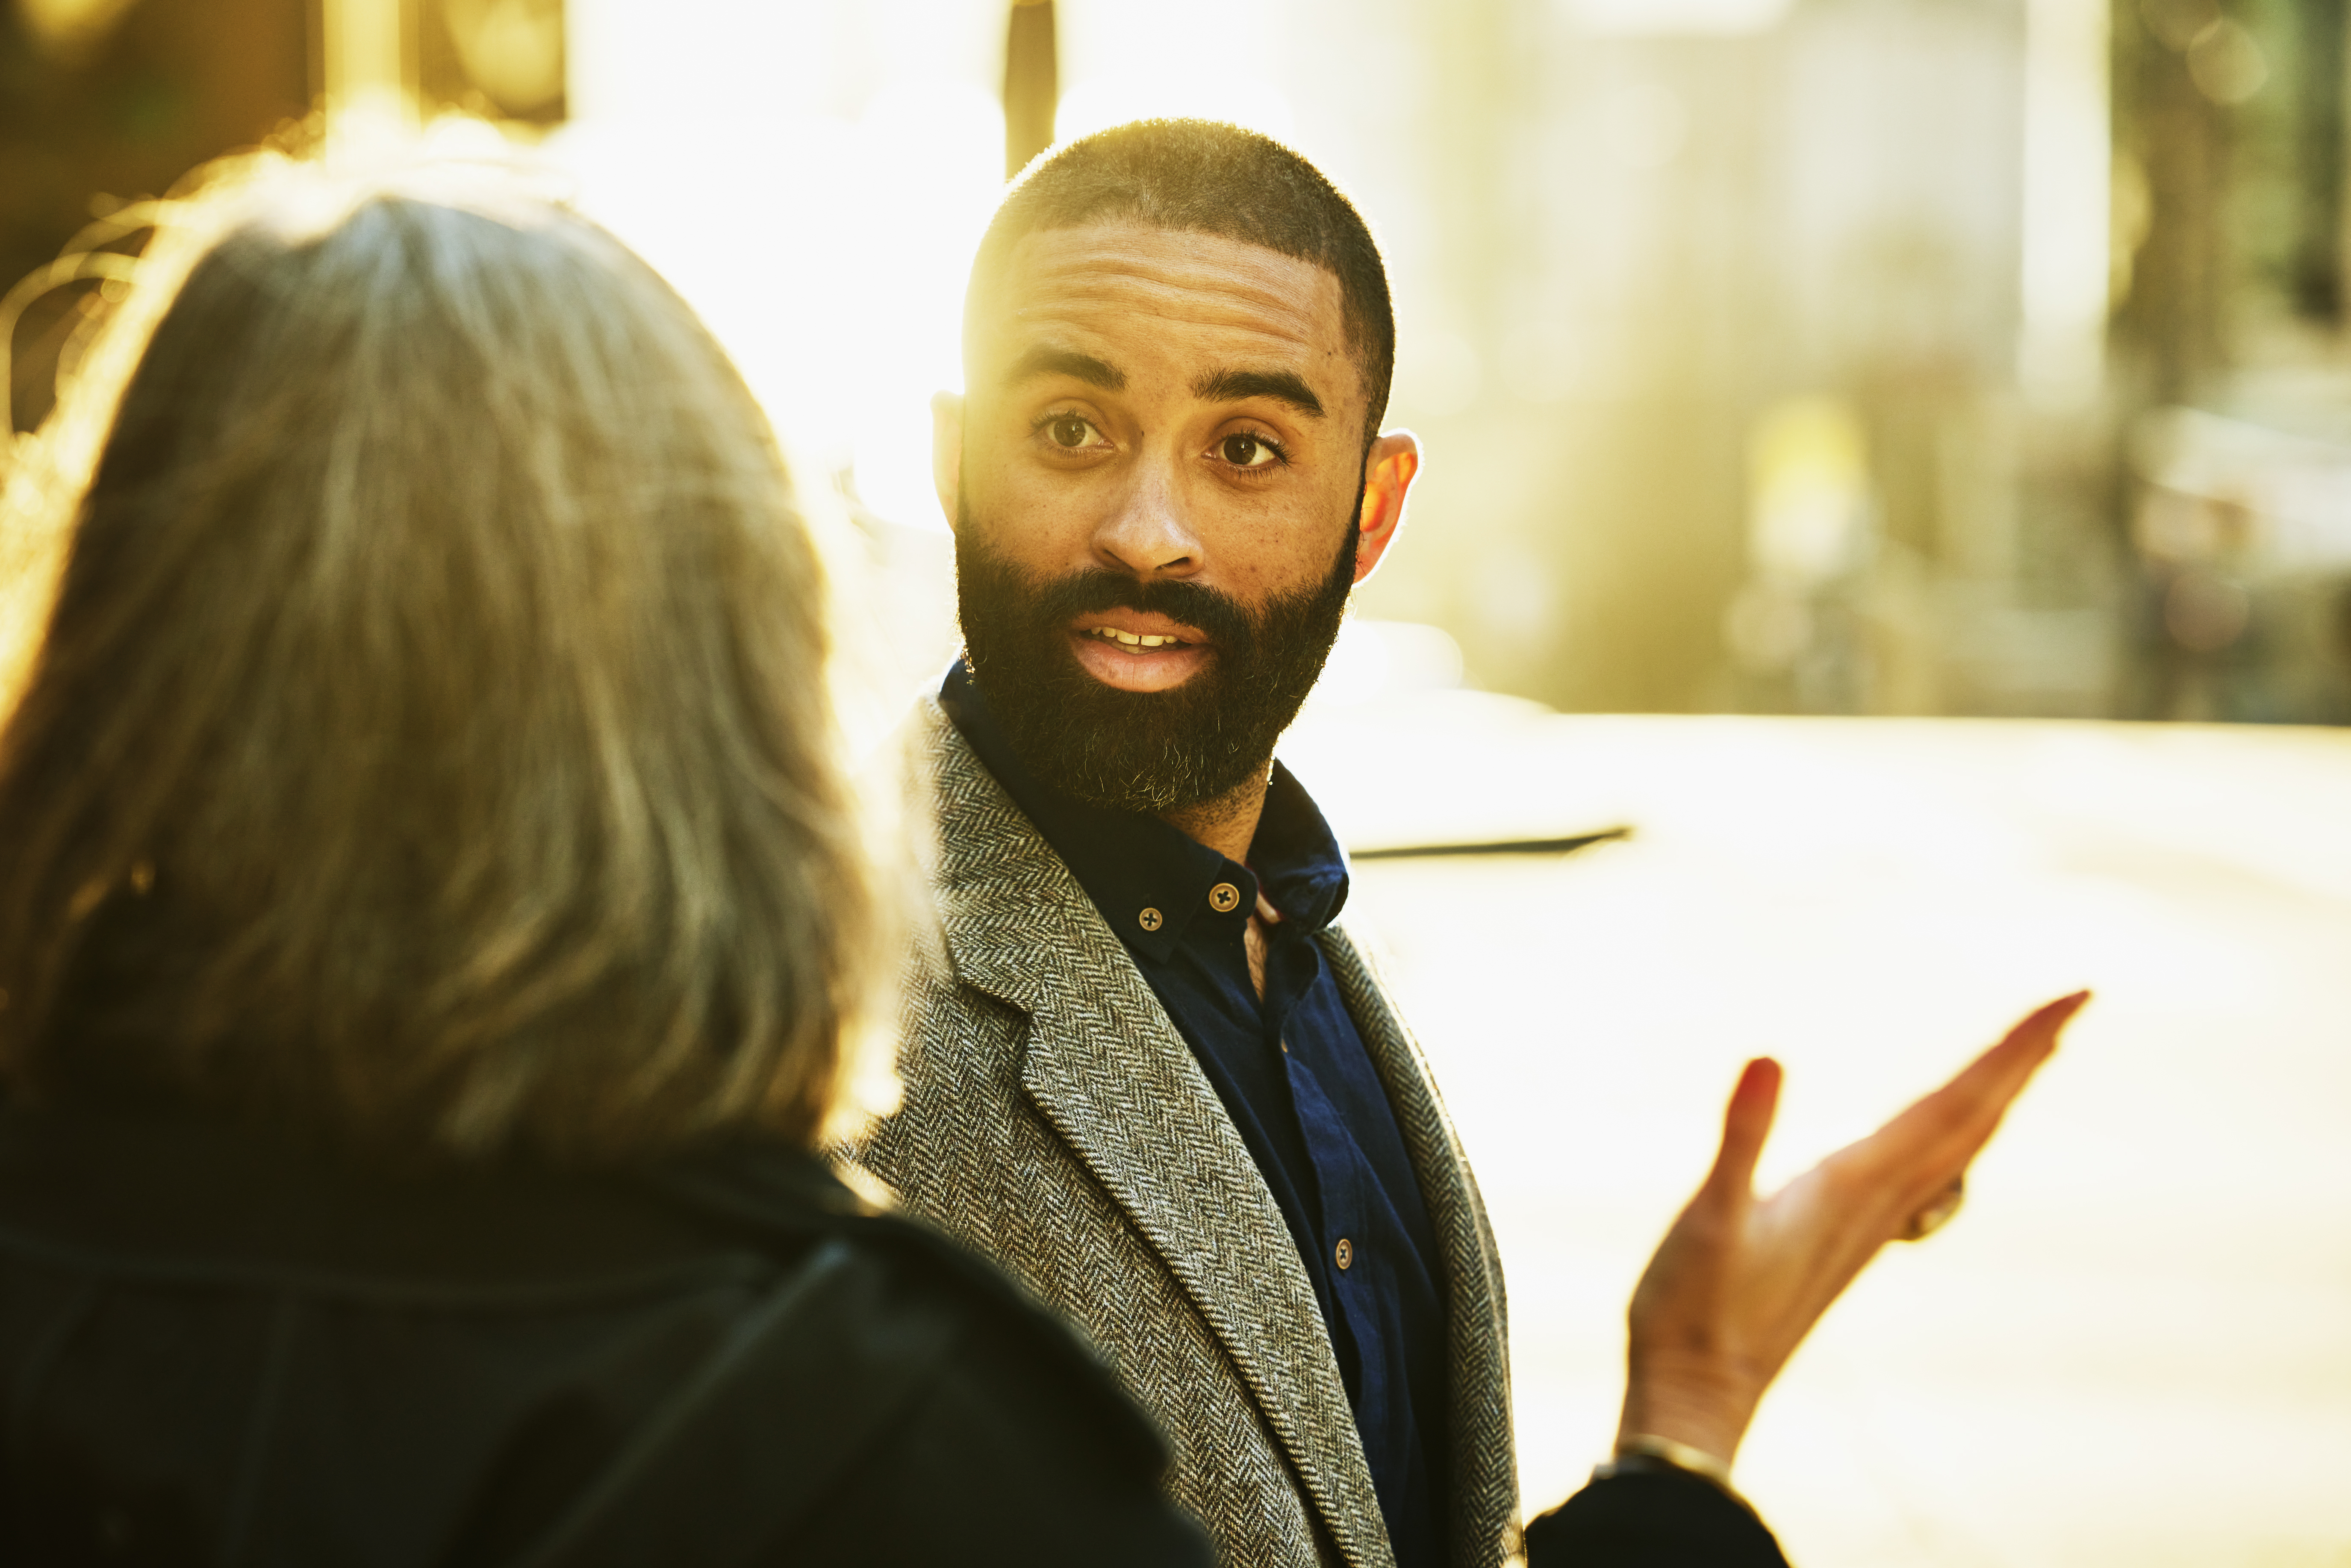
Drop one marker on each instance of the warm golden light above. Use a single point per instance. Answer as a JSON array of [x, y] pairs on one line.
[[68, 27]]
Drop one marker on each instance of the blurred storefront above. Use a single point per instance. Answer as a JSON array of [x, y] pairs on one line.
[[1823, 357]]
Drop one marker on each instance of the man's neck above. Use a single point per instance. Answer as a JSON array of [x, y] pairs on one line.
[[1227, 824]]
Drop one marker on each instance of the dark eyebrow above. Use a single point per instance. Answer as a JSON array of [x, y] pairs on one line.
[[1232, 386], [1044, 360]]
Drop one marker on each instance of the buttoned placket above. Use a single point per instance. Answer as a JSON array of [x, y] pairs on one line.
[[1337, 1211]]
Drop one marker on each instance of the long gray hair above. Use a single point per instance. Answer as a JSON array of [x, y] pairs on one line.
[[431, 748]]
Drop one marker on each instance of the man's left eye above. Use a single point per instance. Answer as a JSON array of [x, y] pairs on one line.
[[1248, 451]]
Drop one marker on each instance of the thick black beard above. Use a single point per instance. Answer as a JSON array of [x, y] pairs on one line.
[[1152, 752]]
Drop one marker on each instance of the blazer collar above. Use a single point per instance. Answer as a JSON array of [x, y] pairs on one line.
[[1109, 1072]]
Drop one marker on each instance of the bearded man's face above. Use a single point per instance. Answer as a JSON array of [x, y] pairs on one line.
[[1162, 498]]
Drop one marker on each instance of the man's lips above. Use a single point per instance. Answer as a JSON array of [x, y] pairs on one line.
[[1139, 653]]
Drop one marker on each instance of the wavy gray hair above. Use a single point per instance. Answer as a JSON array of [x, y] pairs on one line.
[[431, 746]]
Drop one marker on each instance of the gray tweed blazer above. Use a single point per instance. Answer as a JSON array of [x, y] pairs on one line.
[[1055, 1119]]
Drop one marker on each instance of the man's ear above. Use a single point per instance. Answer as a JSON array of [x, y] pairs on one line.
[[1388, 472], [947, 450]]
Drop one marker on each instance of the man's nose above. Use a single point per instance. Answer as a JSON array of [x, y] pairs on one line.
[[1149, 533]]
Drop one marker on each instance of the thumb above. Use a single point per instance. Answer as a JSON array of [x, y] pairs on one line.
[[1746, 1124]]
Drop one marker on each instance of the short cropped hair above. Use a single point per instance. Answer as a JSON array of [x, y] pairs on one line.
[[1200, 176], [430, 752]]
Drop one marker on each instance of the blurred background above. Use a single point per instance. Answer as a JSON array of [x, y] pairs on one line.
[[1899, 357], [1839, 413]]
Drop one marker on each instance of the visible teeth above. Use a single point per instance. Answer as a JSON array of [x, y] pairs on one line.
[[1133, 640]]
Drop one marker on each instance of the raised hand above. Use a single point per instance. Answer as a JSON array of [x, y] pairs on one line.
[[1739, 1282]]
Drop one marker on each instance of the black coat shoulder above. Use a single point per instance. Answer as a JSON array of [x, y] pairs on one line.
[[965, 1424], [218, 1350]]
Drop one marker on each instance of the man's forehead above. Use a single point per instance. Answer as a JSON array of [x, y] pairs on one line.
[[1111, 281]]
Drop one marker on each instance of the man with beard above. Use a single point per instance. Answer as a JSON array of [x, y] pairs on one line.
[[1149, 1072]]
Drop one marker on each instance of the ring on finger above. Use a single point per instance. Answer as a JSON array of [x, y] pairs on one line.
[[1937, 1213]]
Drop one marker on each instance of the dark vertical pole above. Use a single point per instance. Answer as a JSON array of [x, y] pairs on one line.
[[2171, 319], [2318, 261], [1031, 83], [314, 38]]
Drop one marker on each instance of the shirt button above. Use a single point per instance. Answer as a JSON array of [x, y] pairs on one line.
[[1224, 898], [1150, 920], [1346, 1253]]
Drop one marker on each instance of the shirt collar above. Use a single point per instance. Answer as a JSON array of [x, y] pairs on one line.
[[1150, 880]]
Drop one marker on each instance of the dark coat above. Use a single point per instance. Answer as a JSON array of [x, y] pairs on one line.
[[213, 1349]]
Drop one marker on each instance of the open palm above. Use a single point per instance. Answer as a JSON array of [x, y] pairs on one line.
[[1740, 1280]]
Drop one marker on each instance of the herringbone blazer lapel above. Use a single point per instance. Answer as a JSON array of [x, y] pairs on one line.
[[1109, 1072], [1485, 1491]]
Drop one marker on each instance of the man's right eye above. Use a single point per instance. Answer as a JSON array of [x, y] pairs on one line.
[[1069, 431]]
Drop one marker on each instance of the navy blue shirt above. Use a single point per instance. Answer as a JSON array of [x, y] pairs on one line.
[[1294, 1075]]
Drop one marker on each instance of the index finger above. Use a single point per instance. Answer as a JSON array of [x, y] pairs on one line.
[[1958, 1119]]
